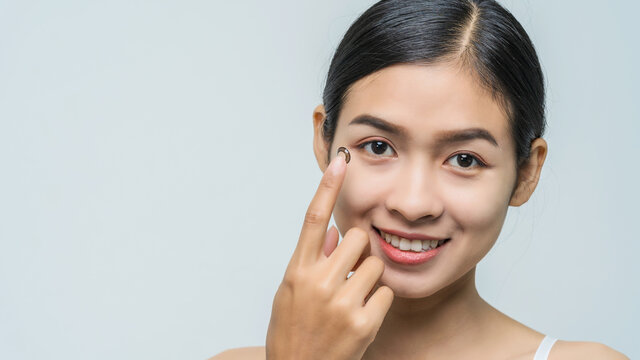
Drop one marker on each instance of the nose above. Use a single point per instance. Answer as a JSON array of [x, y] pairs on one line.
[[415, 194]]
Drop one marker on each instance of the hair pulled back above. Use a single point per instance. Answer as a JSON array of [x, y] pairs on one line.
[[480, 35]]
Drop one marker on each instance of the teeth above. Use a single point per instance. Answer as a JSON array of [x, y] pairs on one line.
[[413, 245], [416, 245], [395, 241]]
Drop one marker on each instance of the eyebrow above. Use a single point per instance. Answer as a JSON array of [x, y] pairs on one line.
[[379, 124], [458, 136], [442, 138]]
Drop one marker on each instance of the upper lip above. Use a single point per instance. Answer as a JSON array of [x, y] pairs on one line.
[[410, 236]]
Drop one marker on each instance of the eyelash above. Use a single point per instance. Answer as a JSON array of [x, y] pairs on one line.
[[475, 158], [480, 163], [363, 145]]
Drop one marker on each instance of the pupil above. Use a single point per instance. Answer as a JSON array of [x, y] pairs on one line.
[[379, 147], [464, 160]]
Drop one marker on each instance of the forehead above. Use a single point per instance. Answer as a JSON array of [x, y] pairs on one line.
[[425, 99]]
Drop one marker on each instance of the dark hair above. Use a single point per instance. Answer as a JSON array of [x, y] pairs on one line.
[[478, 34]]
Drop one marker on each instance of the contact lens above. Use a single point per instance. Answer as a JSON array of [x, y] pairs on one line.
[[347, 155]]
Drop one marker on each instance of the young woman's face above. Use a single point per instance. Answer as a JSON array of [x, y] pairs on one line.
[[432, 156]]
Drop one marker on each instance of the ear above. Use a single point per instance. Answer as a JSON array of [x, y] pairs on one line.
[[320, 146], [529, 173]]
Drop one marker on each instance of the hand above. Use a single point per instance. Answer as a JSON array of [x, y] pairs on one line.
[[319, 313]]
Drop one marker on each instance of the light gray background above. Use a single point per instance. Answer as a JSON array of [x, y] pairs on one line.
[[156, 163]]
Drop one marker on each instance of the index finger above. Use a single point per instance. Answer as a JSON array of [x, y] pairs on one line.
[[319, 211]]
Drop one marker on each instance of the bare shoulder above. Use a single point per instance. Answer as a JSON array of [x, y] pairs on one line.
[[248, 353], [568, 350]]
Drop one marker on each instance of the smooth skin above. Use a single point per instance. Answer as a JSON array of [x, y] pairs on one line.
[[412, 182]]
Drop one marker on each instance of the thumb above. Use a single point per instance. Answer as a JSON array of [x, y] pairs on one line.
[[330, 241]]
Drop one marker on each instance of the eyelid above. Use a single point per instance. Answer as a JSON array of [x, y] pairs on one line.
[[476, 157], [373, 140], [469, 152], [481, 162]]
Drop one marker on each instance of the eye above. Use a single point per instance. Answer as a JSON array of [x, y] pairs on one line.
[[377, 148], [465, 161]]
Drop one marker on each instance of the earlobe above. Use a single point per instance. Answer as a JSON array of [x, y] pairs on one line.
[[529, 173], [320, 146]]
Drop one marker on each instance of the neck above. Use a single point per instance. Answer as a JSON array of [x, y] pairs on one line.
[[439, 323]]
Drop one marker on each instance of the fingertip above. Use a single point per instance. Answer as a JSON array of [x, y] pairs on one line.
[[380, 301], [387, 289], [338, 164]]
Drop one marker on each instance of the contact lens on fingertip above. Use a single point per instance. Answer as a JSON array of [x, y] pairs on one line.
[[345, 151]]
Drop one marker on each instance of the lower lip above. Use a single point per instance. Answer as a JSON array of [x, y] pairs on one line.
[[407, 257]]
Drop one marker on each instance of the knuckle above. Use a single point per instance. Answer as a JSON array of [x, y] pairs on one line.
[[314, 217], [305, 284], [327, 183], [361, 326], [322, 290], [341, 306], [291, 279]]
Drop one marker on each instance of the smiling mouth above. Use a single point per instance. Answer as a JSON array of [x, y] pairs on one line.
[[413, 245]]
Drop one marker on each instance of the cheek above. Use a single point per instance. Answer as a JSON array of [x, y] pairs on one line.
[[362, 190], [479, 204]]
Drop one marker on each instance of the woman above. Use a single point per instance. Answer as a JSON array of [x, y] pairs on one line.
[[440, 107]]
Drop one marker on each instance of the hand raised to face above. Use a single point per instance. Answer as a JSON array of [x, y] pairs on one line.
[[318, 311]]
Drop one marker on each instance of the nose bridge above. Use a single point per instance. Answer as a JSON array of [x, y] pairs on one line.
[[416, 194]]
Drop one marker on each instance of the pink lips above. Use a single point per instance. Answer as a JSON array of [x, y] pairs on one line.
[[408, 257]]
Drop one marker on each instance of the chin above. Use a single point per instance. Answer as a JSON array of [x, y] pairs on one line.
[[412, 282], [410, 285]]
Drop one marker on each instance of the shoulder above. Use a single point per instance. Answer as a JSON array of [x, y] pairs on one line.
[[249, 353], [568, 350]]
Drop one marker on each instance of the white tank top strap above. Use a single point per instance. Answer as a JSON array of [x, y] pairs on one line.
[[544, 348]]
